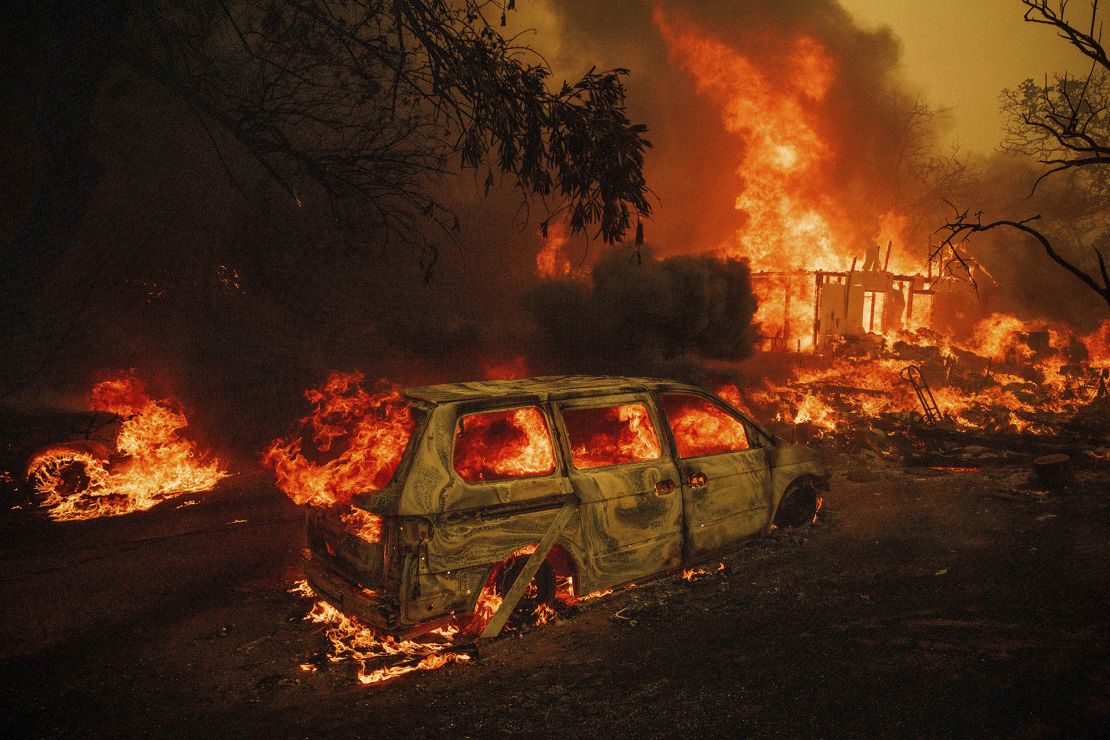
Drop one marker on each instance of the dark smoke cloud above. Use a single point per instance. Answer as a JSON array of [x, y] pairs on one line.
[[658, 317]]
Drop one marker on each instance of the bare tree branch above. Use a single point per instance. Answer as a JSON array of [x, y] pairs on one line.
[[1064, 123], [962, 226]]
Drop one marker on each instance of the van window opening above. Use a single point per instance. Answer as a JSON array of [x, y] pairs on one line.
[[702, 427], [610, 435], [502, 445]]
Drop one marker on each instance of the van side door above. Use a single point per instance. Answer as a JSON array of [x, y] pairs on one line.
[[725, 478], [627, 483]]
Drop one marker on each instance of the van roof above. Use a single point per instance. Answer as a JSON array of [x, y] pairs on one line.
[[542, 387]]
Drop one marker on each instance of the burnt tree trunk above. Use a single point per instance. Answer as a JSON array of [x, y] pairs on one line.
[[1054, 472]]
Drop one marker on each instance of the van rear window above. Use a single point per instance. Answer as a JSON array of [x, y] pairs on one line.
[[611, 435], [500, 445]]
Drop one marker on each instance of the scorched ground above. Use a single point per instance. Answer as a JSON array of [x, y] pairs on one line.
[[922, 602]]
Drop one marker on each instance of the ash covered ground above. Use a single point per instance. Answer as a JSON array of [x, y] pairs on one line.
[[922, 602]]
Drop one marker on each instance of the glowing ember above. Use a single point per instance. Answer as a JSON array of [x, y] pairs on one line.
[[692, 574], [495, 445], [370, 430], [362, 524], [596, 595], [154, 463], [611, 435]]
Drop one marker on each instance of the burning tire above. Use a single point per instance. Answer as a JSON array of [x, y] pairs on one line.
[[798, 506], [539, 597], [65, 472]]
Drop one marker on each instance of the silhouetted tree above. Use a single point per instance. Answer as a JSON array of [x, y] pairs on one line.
[[656, 317], [1064, 123], [354, 105]]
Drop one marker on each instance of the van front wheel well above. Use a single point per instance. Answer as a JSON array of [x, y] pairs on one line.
[[798, 505]]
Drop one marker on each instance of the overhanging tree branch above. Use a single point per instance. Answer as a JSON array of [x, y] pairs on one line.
[[1064, 123], [962, 226], [366, 100]]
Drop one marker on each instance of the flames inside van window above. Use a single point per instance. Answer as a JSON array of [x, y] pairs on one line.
[[498, 445], [701, 427], [611, 435]]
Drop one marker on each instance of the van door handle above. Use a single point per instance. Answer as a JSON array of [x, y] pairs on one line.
[[698, 480], [663, 487]]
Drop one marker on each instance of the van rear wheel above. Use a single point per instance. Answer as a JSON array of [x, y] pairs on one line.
[[538, 598]]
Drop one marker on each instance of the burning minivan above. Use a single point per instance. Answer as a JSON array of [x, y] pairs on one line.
[[577, 484]]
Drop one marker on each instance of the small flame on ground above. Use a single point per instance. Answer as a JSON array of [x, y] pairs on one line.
[[596, 594], [692, 574], [351, 640]]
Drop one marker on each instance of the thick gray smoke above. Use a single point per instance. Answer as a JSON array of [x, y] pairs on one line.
[[659, 317]]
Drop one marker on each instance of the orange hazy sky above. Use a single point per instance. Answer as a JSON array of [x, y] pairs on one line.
[[962, 53], [959, 53]]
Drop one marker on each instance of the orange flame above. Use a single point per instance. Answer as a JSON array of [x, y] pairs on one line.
[[702, 428], [1008, 375], [611, 435], [351, 640], [372, 427], [362, 524], [552, 260], [494, 445], [155, 463], [793, 222]]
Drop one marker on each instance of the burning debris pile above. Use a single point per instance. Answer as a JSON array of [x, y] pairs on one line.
[[150, 461], [1009, 378]]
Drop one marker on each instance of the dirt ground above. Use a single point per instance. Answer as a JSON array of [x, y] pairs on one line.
[[922, 603]]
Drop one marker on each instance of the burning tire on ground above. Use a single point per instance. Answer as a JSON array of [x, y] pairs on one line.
[[62, 472], [798, 506]]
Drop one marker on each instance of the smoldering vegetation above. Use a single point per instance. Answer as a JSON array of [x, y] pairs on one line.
[[638, 315]]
